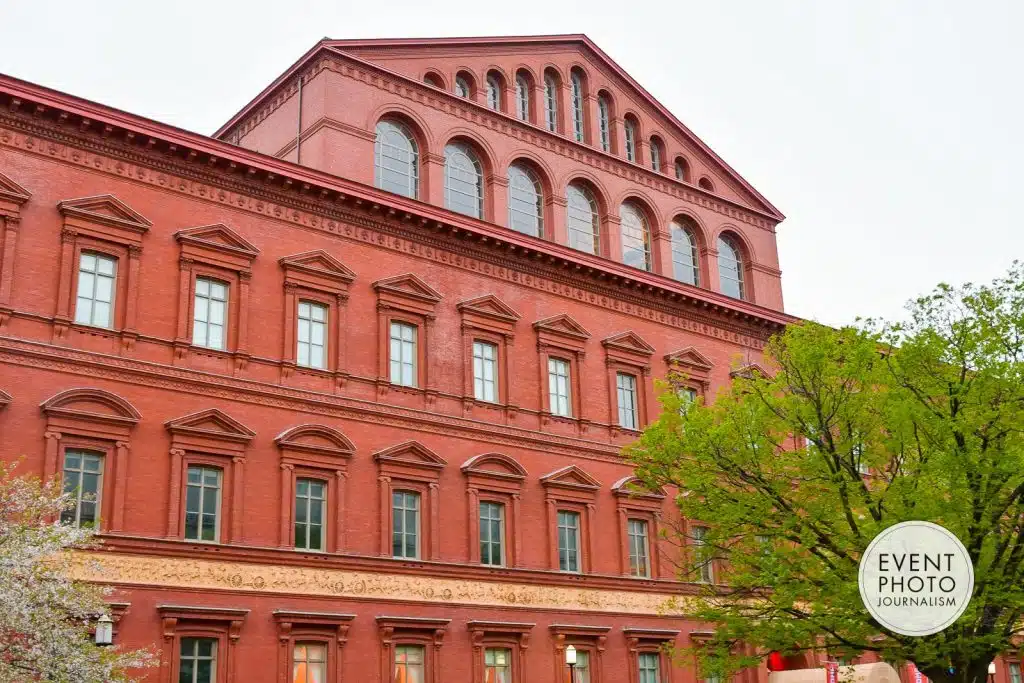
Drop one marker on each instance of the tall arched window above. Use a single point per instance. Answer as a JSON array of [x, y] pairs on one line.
[[395, 159], [522, 98], [730, 267], [656, 154], [525, 201], [583, 219], [493, 92], [630, 129], [636, 237], [604, 121], [461, 86], [685, 262], [682, 170], [577, 106], [550, 102], [433, 79], [463, 180]]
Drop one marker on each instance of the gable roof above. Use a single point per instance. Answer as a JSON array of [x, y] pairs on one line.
[[351, 47]]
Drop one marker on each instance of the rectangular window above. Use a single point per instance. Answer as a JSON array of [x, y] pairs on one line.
[[312, 335], [639, 555], [83, 479], [309, 514], [687, 396], [701, 555], [403, 354], [650, 667], [409, 666], [485, 371], [202, 504], [492, 534], [1014, 672], [582, 666], [405, 519], [558, 387], [625, 386], [497, 665], [568, 541], [210, 316], [309, 663], [198, 663], [95, 305]]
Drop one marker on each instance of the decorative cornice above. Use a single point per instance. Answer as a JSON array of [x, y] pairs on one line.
[[319, 208]]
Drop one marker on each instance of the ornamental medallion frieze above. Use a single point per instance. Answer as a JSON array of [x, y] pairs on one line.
[[202, 574], [249, 196]]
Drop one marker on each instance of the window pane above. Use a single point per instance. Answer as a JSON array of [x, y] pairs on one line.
[[636, 238], [396, 159], [550, 103], [582, 219], [463, 180], [522, 98], [525, 201], [684, 254], [730, 268]]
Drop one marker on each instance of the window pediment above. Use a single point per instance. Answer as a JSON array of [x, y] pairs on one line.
[[628, 347], [689, 359], [631, 492], [494, 471], [5, 399], [90, 410], [316, 439], [750, 370], [217, 244], [659, 635], [107, 211], [561, 331], [410, 455], [571, 479], [490, 311], [210, 431], [12, 196], [407, 291], [317, 270], [388, 625]]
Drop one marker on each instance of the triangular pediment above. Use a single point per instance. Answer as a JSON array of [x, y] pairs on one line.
[[629, 341], [690, 357], [630, 486], [489, 306], [5, 399], [104, 208], [320, 263], [412, 57], [408, 285], [12, 191], [211, 423], [494, 465], [750, 370], [563, 325], [571, 477], [218, 236], [411, 453], [313, 437]]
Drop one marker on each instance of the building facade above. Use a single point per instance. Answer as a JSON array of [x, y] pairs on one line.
[[344, 386]]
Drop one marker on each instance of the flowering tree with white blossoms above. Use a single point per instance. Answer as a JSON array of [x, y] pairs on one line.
[[46, 618]]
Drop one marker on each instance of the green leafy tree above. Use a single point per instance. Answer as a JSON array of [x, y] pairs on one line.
[[850, 431], [46, 618]]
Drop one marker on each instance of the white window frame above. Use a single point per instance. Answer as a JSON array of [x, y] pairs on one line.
[[406, 650], [576, 532], [604, 122], [577, 107], [405, 533], [321, 664], [211, 299], [639, 547], [308, 500], [630, 130], [704, 563], [306, 324], [74, 516], [559, 376], [493, 93], [490, 663], [203, 488], [550, 103], [485, 356], [500, 541], [522, 98], [401, 362], [649, 674], [94, 275], [195, 657], [626, 396]]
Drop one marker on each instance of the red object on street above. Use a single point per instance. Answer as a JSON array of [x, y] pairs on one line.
[[776, 661]]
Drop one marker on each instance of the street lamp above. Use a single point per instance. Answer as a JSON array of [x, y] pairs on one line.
[[992, 671], [570, 659], [104, 631]]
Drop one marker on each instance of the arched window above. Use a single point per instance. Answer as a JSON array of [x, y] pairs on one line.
[[550, 102], [685, 262], [604, 121], [655, 154], [522, 98], [461, 86], [493, 92], [730, 267], [463, 180], [525, 201], [630, 128], [577, 106], [433, 79], [395, 159], [682, 170], [705, 184], [583, 219], [636, 237]]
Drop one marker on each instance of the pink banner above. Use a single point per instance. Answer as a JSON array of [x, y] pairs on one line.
[[831, 672], [915, 674]]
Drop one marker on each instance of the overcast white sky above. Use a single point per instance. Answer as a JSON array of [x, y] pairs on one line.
[[888, 131]]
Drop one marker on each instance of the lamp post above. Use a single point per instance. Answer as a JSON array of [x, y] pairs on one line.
[[104, 631], [570, 659], [992, 671]]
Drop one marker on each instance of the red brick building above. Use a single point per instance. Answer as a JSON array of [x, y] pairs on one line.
[[351, 377]]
